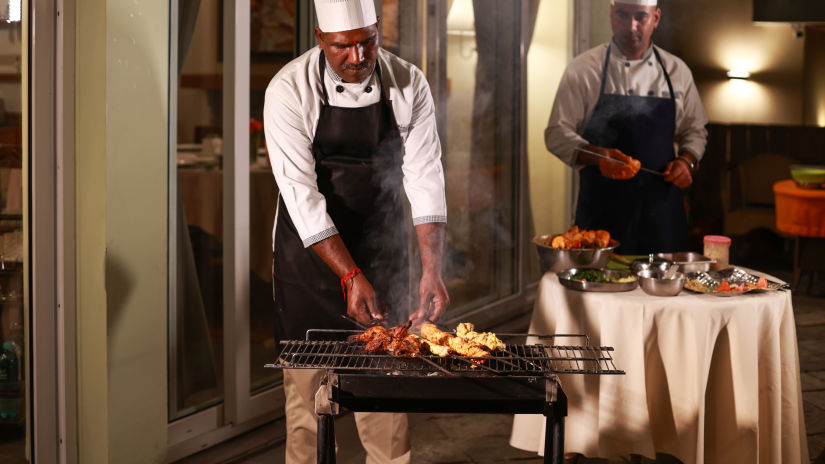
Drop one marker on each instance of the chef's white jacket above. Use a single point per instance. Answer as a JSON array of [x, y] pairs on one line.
[[578, 93], [291, 109]]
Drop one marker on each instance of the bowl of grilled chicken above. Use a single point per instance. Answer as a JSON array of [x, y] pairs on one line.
[[576, 248]]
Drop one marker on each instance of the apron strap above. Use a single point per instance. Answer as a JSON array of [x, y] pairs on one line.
[[322, 68], [604, 70], [667, 76]]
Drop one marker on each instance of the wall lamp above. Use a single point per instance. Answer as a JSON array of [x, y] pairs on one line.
[[738, 74]]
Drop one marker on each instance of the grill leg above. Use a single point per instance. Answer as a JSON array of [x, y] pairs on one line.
[[554, 414], [326, 439]]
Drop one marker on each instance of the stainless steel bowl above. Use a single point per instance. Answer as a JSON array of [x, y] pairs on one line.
[[688, 261], [651, 263], [654, 282], [558, 259]]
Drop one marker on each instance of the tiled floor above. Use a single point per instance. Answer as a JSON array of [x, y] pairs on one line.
[[442, 438]]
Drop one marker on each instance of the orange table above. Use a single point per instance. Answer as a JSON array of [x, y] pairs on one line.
[[801, 212]]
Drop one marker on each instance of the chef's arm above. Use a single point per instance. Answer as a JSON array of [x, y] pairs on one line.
[[432, 293], [361, 301]]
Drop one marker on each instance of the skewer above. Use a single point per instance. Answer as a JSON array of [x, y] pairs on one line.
[[619, 161]]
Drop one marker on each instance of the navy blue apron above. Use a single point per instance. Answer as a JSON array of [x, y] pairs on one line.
[[358, 154], [645, 213]]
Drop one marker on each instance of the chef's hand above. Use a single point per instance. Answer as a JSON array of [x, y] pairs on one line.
[[613, 170], [361, 302], [678, 172], [433, 298]]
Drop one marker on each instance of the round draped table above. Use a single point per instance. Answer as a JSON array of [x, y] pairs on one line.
[[708, 378], [801, 212]]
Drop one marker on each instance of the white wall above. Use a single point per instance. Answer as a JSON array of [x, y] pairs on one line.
[[121, 156], [714, 37], [549, 53]]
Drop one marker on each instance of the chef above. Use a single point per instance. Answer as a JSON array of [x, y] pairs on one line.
[[347, 125], [631, 101]]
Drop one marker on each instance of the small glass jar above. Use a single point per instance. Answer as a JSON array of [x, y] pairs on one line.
[[717, 247]]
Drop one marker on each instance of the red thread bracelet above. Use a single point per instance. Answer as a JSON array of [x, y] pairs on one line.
[[354, 272]]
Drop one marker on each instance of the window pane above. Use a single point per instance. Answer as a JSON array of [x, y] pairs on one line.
[[196, 335], [272, 45], [482, 155], [13, 377]]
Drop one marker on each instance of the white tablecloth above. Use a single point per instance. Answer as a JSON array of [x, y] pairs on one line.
[[708, 378], [201, 191]]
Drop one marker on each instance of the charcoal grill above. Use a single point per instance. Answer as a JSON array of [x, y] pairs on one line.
[[522, 379]]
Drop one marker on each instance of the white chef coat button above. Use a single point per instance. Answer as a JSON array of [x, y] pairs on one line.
[[650, 63], [630, 91], [368, 89], [649, 93], [339, 88]]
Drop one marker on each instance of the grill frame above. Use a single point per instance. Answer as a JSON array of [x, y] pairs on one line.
[[517, 360], [520, 379]]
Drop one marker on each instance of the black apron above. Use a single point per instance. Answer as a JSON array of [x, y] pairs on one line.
[[645, 213], [358, 154]]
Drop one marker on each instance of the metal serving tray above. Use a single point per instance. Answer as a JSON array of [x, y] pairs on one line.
[[688, 261], [734, 276], [567, 280]]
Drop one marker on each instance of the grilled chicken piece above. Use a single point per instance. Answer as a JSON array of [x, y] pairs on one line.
[[408, 346], [400, 331], [463, 347], [467, 348], [466, 331], [395, 340], [438, 350], [368, 334], [432, 334], [379, 341]]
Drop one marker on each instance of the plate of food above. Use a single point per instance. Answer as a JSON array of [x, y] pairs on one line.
[[729, 282], [598, 280]]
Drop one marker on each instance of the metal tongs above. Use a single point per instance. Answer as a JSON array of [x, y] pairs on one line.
[[651, 171]]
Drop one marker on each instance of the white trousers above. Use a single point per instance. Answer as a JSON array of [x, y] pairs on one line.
[[385, 436]]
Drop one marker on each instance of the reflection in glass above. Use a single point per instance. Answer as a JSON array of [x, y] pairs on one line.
[[13, 351], [196, 329], [482, 158], [272, 45]]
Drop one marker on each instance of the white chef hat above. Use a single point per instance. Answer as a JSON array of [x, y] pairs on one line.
[[344, 15], [635, 2]]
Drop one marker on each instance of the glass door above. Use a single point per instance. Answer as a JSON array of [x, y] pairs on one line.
[[473, 54], [14, 418], [221, 320]]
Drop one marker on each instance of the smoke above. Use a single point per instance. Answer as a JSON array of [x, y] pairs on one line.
[[387, 234]]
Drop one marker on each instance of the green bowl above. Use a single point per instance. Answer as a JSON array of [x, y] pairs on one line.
[[808, 176]]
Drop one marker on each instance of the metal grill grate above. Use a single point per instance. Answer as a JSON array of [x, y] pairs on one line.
[[516, 360]]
